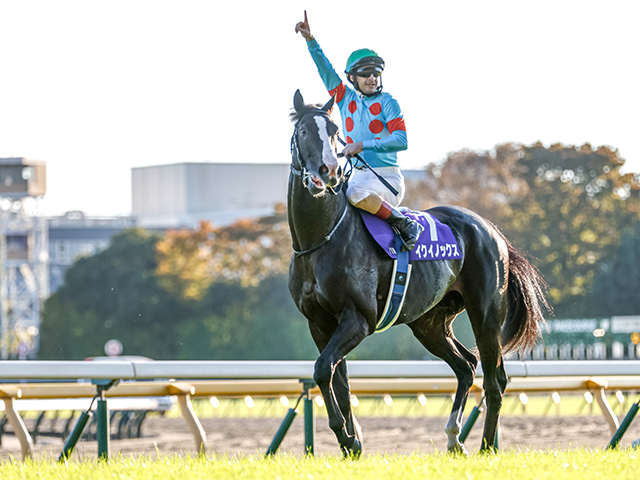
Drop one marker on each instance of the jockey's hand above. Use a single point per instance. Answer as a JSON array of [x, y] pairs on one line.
[[303, 28], [352, 149]]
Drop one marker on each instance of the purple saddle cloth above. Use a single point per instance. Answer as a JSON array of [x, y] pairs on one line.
[[435, 243]]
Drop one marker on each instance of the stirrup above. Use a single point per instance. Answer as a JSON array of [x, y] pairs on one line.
[[405, 247], [397, 233]]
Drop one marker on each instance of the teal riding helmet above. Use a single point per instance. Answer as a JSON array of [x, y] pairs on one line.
[[362, 58]]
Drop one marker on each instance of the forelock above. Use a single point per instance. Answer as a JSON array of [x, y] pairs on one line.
[[296, 115]]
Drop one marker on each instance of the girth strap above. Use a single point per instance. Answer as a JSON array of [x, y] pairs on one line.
[[399, 283]]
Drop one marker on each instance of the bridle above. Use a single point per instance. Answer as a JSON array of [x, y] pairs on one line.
[[299, 169], [296, 157]]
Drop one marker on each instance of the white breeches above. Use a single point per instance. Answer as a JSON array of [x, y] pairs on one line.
[[364, 183]]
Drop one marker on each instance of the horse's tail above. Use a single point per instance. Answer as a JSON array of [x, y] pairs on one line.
[[526, 304]]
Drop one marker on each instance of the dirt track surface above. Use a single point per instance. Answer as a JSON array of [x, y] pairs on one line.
[[250, 436]]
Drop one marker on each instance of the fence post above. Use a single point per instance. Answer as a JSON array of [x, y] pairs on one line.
[[309, 421], [601, 397], [103, 432], [309, 418], [19, 428], [282, 431], [471, 421], [615, 440], [75, 435]]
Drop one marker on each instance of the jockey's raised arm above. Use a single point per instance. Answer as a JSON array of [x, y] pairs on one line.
[[374, 127]]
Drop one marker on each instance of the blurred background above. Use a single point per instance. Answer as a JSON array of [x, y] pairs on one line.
[[144, 157]]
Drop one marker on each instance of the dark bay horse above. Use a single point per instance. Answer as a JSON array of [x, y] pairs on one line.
[[339, 278]]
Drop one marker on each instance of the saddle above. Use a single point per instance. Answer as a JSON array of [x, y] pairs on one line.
[[436, 243]]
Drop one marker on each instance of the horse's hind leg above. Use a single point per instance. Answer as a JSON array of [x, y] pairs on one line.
[[434, 332], [486, 323], [495, 383]]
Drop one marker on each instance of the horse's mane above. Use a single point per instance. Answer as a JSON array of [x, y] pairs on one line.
[[296, 115]]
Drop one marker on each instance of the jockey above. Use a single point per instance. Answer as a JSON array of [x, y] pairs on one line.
[[375, 128]]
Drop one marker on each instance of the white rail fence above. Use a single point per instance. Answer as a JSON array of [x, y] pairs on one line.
[[186, 379]]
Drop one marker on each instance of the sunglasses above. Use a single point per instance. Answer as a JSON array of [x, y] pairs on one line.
[[368, 72]]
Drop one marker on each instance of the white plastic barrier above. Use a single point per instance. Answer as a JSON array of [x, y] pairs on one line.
[[54, 370], [207, 378]]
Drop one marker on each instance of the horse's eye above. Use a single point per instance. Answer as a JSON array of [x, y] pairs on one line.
[[303, 132]]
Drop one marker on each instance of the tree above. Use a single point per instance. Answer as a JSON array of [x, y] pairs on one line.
[[573, 216], [617, 283], [485, 182], [196, 294], [250, 323], [113, 294], [567, 206], [248, 251]]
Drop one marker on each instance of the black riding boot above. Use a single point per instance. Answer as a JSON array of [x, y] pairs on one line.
[[408, 228]]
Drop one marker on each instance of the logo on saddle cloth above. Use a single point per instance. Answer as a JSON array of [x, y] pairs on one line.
[[436, 242]]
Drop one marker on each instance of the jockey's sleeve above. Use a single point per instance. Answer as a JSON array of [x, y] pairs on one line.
[[397, 138], [329, 77]]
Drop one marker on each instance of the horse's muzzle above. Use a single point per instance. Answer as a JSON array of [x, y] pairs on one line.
[[330, 175]]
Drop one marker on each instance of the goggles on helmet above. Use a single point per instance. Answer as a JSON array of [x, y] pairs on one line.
[[367, 72]]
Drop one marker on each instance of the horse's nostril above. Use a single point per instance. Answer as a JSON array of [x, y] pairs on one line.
[[323, 170], [339, 174]]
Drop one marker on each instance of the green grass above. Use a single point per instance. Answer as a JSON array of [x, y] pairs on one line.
[[570, 465]]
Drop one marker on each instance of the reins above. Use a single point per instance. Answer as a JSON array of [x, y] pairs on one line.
[[366, 165], [304, 175]]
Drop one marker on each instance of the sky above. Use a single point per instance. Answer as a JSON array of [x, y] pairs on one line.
[[96, 88]]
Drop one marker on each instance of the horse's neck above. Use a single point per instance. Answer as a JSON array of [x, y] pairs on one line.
[[310, 218]]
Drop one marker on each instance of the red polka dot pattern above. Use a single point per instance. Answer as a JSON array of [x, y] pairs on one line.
[[396, 124], [349, 140], [353, 106], [338, 92], [348, 123], [376, 126], [375, 109]]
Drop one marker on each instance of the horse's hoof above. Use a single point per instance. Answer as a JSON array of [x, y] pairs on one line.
[[355, 451], [458, 450]]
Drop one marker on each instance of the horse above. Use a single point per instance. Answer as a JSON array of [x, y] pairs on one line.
[[339, 278]]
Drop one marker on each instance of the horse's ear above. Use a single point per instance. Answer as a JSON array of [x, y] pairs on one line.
[[329, 105], [298, 102]]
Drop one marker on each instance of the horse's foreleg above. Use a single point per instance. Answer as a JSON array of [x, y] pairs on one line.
[[330, 375], [321, 334], [353, 427]]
